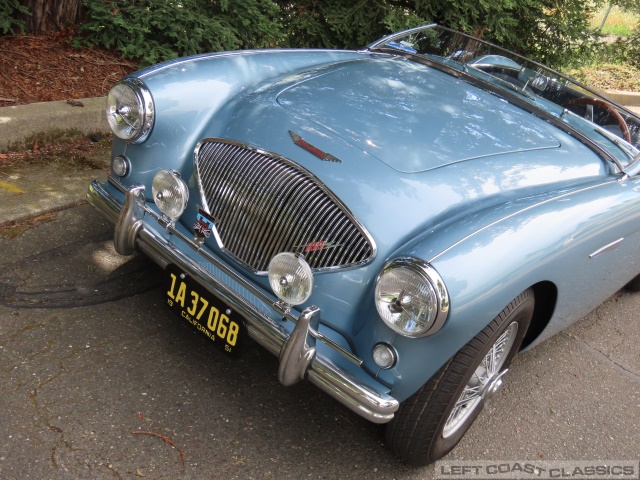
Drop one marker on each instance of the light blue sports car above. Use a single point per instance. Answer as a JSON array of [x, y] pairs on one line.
[[393, 223]]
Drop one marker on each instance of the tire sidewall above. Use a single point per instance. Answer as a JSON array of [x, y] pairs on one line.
[[633, 285], [521, 314]]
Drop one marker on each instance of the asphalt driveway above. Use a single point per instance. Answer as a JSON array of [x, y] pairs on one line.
[[99, 380]]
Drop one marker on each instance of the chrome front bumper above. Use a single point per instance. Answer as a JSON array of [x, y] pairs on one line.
[[296, 350]]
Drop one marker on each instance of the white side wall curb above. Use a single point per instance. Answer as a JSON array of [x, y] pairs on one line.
[[629, 99], [23, 125]]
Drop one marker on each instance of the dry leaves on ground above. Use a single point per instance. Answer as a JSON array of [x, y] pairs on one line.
[[47, 67]]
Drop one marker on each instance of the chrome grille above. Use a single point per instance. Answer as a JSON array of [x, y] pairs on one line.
[[264, 204]]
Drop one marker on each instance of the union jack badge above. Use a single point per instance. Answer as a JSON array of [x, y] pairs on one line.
[[202, 226]]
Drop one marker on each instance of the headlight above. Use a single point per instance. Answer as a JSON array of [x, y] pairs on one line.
[[130, 110], [290, 278], [411, 297], [170, 193]]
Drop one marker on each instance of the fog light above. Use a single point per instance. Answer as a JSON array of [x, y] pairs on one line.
[[120, 166], [290, 278], [170, 194], [384, 355]]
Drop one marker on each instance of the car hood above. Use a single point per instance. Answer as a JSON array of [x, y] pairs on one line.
[[410, 116], [415, 147]]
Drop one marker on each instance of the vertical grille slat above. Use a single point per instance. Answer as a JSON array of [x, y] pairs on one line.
[[264, 204], [240, 218], [274, 215]]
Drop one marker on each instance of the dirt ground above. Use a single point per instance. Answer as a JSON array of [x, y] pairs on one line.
[[47, 67]]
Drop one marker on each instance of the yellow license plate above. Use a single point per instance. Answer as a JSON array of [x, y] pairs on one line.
[[203, 310]]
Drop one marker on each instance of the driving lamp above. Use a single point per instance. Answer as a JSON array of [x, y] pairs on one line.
[[290, 278], [170, 194]]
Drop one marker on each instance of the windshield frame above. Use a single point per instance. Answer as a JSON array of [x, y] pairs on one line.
[[512, 92]]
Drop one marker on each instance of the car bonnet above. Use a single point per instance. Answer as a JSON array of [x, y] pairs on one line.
[[413, 117]]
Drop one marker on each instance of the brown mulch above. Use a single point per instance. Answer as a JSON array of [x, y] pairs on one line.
[[47, 67]]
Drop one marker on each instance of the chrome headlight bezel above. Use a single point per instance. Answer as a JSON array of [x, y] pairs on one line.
[[131, 122], [431, 280]]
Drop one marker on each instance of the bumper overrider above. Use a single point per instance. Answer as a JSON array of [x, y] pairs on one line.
[[299, 358]]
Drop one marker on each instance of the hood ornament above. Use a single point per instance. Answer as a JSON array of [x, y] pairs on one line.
[[327, 157]]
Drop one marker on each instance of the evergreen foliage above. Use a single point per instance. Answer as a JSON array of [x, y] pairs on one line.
[[555, 32], [627, 50], [12, 16], [156, 30], [552, 31]]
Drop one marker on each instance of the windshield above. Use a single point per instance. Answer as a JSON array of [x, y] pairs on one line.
[[541, 86]]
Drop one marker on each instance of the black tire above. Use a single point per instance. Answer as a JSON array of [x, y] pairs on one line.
[[633, 285], [417, 431]]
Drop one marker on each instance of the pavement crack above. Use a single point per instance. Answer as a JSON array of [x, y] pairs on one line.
[[24, 329], [626, 370]]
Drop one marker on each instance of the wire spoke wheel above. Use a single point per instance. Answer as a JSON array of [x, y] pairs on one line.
[[485, 381], [431, 422]]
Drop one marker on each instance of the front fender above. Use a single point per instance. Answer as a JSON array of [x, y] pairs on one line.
[[553, 241]]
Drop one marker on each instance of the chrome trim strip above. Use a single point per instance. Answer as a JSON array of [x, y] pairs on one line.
[[518, 212], [607, 248], [402, 33], [341, 385]]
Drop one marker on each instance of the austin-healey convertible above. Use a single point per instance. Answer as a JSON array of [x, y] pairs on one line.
[[393, 223]]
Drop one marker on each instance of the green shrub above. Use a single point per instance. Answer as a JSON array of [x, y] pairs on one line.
[[342, 24], [553, 31], [11, 16], [631, 48], [156, 30], [556, 32], [625, 50]]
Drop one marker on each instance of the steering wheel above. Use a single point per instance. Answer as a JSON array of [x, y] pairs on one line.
[[601, 103]]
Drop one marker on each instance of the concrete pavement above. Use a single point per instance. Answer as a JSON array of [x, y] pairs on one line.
[[91, 359], [50, 182], [22, 125]]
